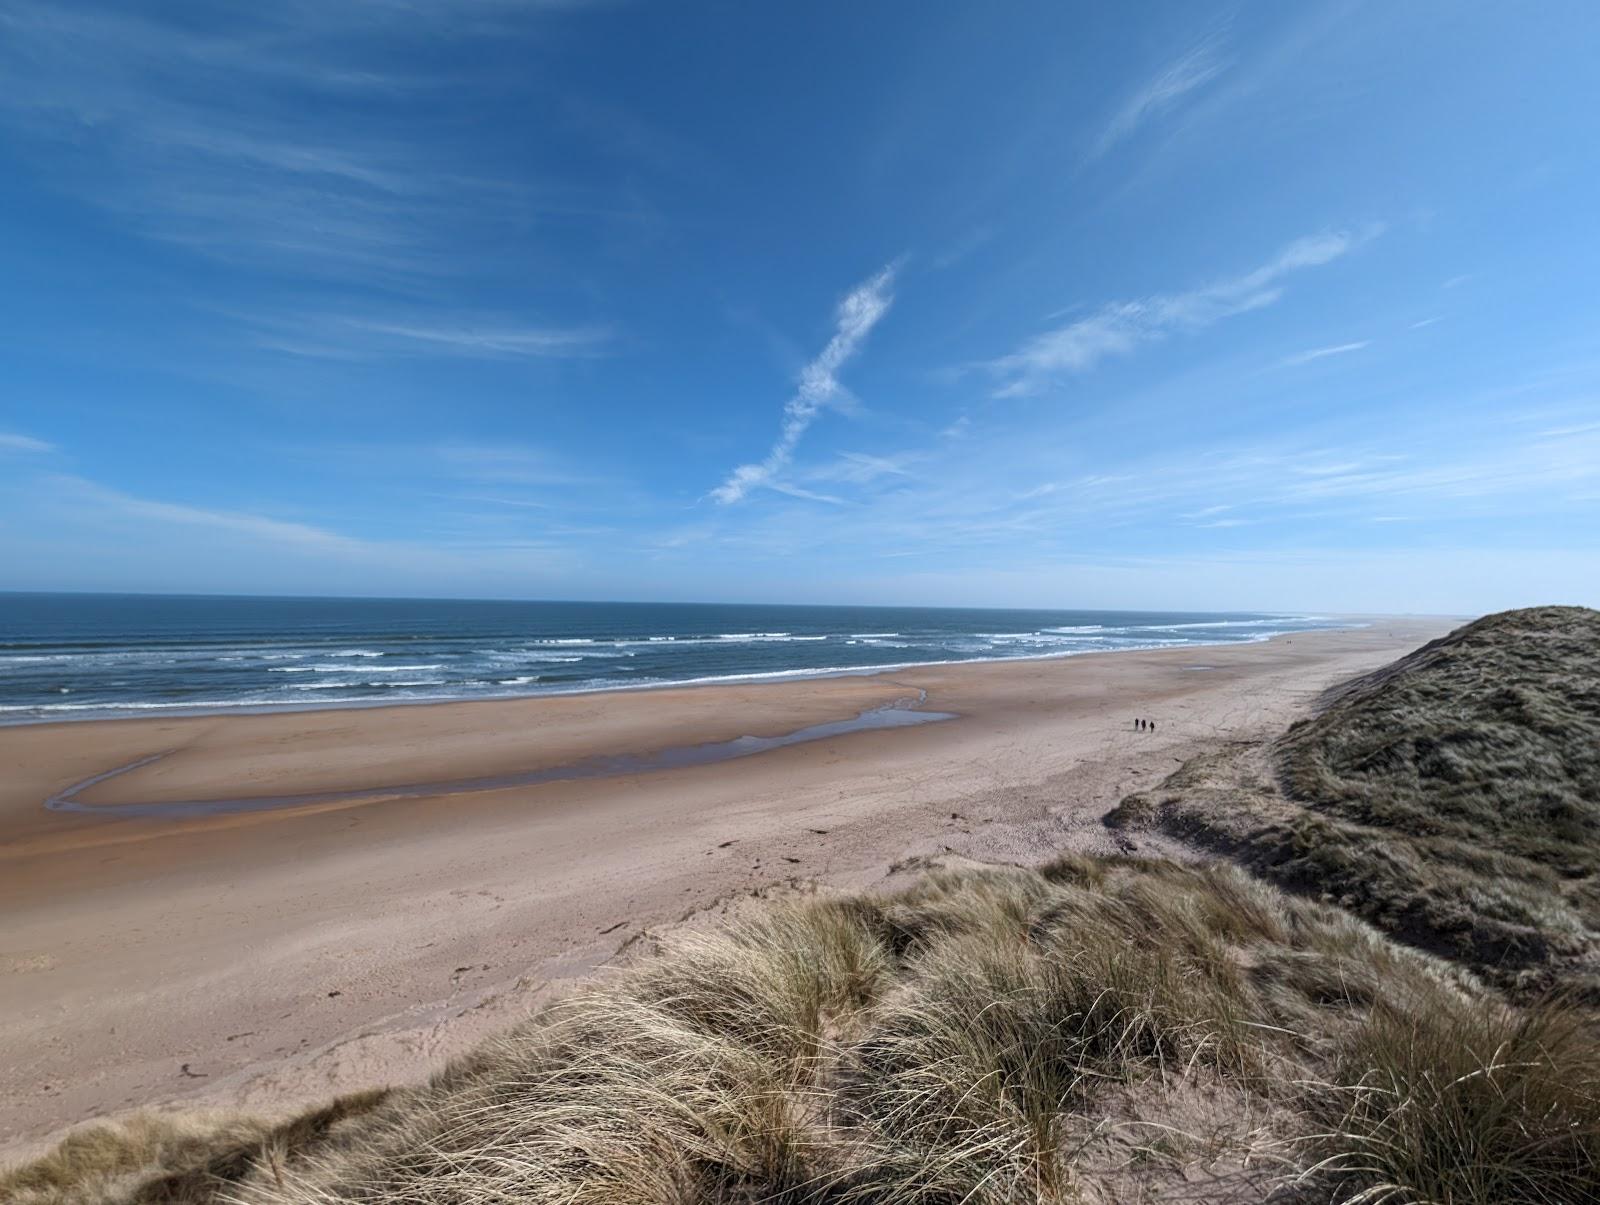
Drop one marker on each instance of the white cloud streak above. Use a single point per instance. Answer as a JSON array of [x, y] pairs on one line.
[[23, 443], [1194, 69], [1322, 353], [491, 341], [389, 336], [207, 548], [965, 509], [819, 385], [1119, 328], [859, 468], [277, 531], [193, 132]]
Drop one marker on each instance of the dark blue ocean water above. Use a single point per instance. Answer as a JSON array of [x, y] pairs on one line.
[[65, 656]]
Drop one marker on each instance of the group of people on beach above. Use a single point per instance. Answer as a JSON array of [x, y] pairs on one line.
[[1144, 725]]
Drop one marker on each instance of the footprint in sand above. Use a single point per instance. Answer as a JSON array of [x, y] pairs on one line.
[[28, 964]]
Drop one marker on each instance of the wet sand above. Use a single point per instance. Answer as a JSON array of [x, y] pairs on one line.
[[367, 917]]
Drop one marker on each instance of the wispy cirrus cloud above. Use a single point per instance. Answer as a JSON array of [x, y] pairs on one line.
[[508, 463], [109, 100], [1120, 327], [130, 506], [12, 442], [382, 336], [1191, 70], [493, 341], [185, 539], [819, 386], [967, 502], [860, 468], [451, 464], [194, 131], [1322, 353]]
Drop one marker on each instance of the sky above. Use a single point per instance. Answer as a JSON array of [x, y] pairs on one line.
[[1175, 305]]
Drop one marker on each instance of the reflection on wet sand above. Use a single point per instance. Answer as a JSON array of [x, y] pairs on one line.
[[901, 714]]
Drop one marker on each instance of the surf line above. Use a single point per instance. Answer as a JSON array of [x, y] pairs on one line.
[[902, 714]]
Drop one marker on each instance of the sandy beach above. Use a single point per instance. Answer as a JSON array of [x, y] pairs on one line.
[[270, 957]]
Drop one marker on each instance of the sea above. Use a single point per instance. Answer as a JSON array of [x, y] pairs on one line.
[[81, 656]]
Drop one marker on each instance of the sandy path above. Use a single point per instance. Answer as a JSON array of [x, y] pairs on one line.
[[270, 958]]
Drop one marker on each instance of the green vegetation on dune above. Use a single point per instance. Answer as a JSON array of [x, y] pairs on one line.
[[1100, 1029], [1489, 735], [1452, 798]]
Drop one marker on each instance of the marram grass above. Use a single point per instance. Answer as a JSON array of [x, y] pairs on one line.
[[1100, 1029]]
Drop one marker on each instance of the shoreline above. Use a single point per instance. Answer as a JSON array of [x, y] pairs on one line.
[[268, 959], [136, 711]]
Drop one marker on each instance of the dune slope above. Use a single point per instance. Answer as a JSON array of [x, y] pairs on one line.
[[1453, 798]]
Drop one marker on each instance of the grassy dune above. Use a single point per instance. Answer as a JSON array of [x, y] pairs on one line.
[[1097, 1029], [1452, 798]]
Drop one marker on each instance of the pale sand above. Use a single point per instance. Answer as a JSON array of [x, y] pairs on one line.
[[268, 959]]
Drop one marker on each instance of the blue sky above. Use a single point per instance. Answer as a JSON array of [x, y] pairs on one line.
[[1247, 305]]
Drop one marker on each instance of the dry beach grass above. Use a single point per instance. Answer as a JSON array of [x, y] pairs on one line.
[[1096, 1029]]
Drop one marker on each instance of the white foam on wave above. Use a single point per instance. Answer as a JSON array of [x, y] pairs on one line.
[[352, 669], [753, 637], [1046, 643], [1268, 622], [1024, 637], [1220, 623], [385, 683], [839, 671], [680, 641], [537, 656], [721, 638], [110, 708]]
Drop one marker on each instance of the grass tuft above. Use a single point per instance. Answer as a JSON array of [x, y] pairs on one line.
[[1480, 1102]]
